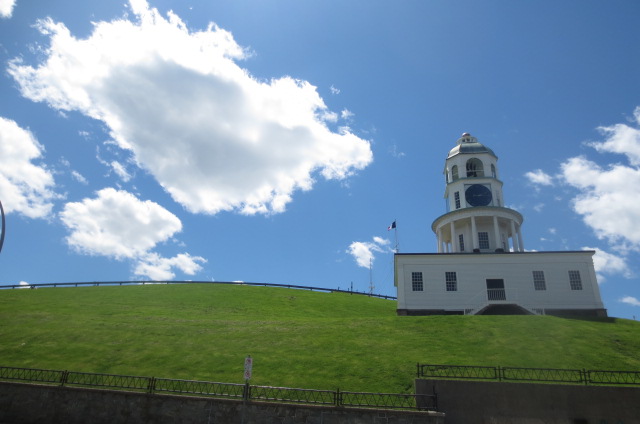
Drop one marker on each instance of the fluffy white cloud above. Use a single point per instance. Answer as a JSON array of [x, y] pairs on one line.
[[622, 139], [212, 135], [630, 300], [6, 8], [117, 224], [608, 263], [608, 199], [158, 268], [25, 188], [539, 177], [363, 251]]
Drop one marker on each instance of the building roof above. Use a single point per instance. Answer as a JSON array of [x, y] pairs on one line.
[[467, 144]]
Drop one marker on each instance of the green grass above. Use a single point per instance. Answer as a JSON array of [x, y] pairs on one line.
[[297, 338]]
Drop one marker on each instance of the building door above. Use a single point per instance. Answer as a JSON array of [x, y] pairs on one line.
[[495, 289]]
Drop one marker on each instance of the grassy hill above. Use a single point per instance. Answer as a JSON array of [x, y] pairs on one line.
[[297, 338]]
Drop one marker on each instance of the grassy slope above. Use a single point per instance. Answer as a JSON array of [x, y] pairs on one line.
[[297, 338]]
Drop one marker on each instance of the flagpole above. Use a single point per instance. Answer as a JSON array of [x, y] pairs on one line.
[[395, 231]]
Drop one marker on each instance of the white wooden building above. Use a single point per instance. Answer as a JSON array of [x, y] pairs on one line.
[[481, 266]]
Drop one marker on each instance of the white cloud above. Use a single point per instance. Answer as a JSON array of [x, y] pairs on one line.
[[6, 8], [213, 136], [117, 224], [120, 170], [622, 139], [630, 300], [539, 177], [346, 114], [25, 188], [79, 177], [395, 152], [334, 90], [363, 251], [608, 199], [538, 207], [158, 268], [608, 263]]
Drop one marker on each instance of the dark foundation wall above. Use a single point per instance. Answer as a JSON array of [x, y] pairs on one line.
[[474, 402], [30, 404], [507, 310]]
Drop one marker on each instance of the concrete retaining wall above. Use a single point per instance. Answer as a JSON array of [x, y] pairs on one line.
[[473, 402], [26, 404]]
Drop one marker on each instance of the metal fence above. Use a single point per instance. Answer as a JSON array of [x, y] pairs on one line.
[[237, 283], [543, 375], [244, 392]]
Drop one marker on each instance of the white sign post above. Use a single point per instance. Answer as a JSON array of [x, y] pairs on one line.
[[248, 366]]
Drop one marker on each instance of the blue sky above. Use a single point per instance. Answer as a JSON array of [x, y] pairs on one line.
[[275, 141]]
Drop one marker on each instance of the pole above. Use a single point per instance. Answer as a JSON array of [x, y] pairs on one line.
[[3, 227], [370, 276]]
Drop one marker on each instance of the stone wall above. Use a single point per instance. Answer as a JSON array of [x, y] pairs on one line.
[[474, 402], [27, 403]]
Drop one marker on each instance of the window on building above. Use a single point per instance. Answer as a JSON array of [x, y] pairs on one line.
[[475, 168], [454, 172], [538, 280], [416, 281], [574, 280], [483, 240], [451, 280], [456, 196], [493, 170], [461, 242]]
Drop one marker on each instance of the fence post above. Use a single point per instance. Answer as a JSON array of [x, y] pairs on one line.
[[500, 371], [152, 385], [418, 370], [585, 375], [64, 378], [246, 394], [337, 398]]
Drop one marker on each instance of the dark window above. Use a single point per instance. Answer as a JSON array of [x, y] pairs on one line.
[[416, 281], [574, 280], [495, 289], [483, 240], [454, 172], [538, 280], [461, 240], [475, 168], [456, 196], [451, 280]]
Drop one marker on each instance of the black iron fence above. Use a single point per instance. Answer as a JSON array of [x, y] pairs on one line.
[[543, 375], [237, 283], [221, 390]]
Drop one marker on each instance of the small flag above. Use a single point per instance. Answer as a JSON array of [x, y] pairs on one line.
[[392, 226]]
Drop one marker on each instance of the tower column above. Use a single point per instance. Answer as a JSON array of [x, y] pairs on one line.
[[439, 236], [454, 246], [520, 241], [496, 232], [514, 237], [474, 233]]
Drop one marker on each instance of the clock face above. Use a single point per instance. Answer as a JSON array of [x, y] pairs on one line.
[[478, 195]]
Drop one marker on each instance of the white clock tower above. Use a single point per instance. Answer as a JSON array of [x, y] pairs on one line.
[[476, 219], [481, 266]]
